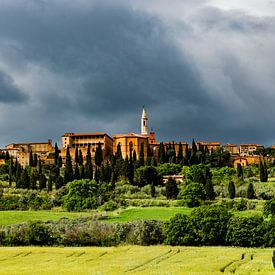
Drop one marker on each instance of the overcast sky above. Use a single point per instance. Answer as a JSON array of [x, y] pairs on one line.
[[204, 69]]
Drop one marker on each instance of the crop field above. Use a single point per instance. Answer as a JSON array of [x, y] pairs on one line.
[[135, 260], [137, 213], [15, 216]]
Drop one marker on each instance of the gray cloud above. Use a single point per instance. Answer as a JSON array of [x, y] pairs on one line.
[[91, 65], [9, 93]]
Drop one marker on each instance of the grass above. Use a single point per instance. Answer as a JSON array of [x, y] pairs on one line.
[[138, 213], [135, 260], [124, 215], [15, 216]]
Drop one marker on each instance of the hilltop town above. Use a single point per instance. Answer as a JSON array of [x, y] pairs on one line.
[[145, 142]]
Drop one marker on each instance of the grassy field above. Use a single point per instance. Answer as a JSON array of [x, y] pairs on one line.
[[137, 213], [124, 215], [135, 260], [13, 217]]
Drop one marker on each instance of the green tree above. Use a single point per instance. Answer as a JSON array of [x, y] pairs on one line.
[[250, 194], [239, 171], [161, 154], [56, 154], [50, 183], [180, 154], [59, 182], [141, 156], [192, 194], [25, 179], [33, 180], [35, 160], [76, 172], [76, 157], [80, 158], [31, 159], [171, 189], [145, 175], [98, 154], [68, 174], [82, 194], [263, 171], [231, 190], [88, 166], [42, 181]]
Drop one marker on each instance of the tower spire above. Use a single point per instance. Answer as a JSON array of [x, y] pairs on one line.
[[144, 119]]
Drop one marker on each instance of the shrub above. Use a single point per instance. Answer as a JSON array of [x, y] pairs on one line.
[[192, 194], [250, 191], [245, 231], [171, 189], [178, 231], [210, 224], [37, 234], [82, 194], [269, 208], [146, 232]]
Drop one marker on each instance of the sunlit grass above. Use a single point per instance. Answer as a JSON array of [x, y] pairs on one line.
[[135, 260]]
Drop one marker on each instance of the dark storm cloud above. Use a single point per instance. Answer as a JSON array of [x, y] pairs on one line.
[[91, 65], [9, 93]]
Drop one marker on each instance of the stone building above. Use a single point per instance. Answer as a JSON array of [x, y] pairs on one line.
[[82, 140]]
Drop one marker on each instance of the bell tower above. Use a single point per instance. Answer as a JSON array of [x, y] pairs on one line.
[[144, 119]]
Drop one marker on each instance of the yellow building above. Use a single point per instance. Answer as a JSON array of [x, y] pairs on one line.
[[130, 143], [82, 140], [249, 149], [211, 145], [233, 149], [21, 151]]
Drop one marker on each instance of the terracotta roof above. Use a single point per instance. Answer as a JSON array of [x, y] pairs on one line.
[[252, 144], [129, 135], [85, 134]]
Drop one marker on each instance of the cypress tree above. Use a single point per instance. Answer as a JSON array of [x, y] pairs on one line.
[[239, 171], [98, 155], [50, 183], [82, 172], [118, 152], [209, 190], [131, 169], [76, 158], [33, 179], [76, 172], [39, 167], [161, 154], [263, 171], [56, 154], [42, 182], [141, 156], [250, 191], [31, 159], [7, 156], [68, 174], [88, 166], [231, 190], [180, 154], [59, 162], [97, 175], [194, 147], [80, 158], [134, 156], [186, 160], [10, 172], [35, 160], [25, 179], [59, 182]]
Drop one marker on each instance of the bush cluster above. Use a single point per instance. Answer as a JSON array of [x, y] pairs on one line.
[[214, 225], [30, 200], [82, 232]]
